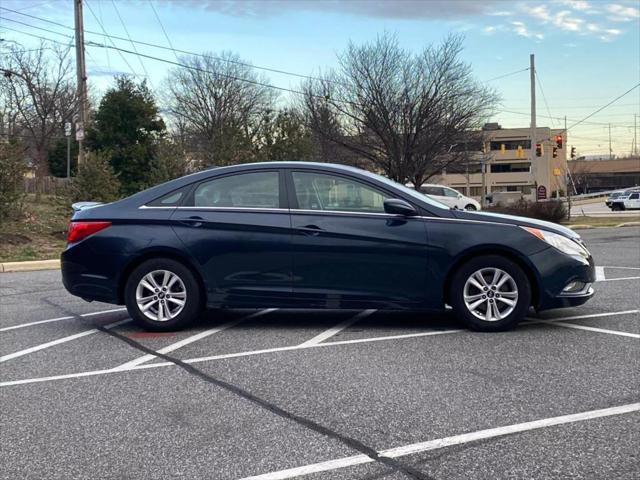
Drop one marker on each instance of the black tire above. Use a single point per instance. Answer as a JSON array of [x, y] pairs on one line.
[[522, 303], [191, 309], [471, 208]]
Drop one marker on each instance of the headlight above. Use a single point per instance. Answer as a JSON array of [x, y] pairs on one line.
[[562, 243]]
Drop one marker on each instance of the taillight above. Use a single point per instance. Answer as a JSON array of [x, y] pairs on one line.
[[79, 230]]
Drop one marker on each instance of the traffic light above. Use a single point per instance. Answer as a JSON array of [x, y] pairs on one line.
[[559, 141], [539, 150], [573, 152], [503, 148], [555, 152], [520, 153]]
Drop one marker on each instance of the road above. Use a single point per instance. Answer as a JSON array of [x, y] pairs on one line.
[[599, 209], [289, 394]]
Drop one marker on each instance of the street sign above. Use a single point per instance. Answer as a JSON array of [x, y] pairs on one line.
[[557, 172], [79, 131], [542, 192], [67, 129]]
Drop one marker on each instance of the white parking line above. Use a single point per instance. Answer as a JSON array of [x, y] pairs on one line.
[[624, 268], [337, 329], [600, 276], [84, 315], [580, 317], [58, 341], [615, 279], [191, 339], [446, 442], [283, 349], [593, 329]]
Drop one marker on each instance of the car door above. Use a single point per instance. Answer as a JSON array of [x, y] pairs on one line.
[[237, 227], [634, 201], [453, 198], [349, 253]]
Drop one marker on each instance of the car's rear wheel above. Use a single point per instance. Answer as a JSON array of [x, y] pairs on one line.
[[471, 207], [162, 294], [490, 293]]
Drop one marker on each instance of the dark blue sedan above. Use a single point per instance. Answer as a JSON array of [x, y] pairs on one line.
[[307, 235]]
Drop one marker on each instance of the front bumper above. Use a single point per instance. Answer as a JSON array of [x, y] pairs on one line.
[[556, 270]]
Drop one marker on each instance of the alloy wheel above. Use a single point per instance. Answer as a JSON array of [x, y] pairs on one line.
[[490, 294], [161, 295]]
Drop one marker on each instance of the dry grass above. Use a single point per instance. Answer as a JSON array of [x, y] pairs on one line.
[[605, 221], [37, 234]]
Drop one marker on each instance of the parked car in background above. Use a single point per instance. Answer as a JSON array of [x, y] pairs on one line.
[[316, 235], [612, 197], [629, 201], [450, 197]]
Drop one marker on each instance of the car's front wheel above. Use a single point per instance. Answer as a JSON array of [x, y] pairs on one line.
[[162, 294], [490, 293], [471, 207]]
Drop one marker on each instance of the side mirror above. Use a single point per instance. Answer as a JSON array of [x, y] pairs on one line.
[[459, 196], [399, 207]]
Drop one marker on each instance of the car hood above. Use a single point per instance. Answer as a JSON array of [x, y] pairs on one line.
[[515, 220]]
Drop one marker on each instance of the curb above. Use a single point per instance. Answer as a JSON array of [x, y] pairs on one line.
[[584, 227], [29, 266]]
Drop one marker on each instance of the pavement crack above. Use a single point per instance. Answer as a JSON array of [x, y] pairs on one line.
[[352, 443]]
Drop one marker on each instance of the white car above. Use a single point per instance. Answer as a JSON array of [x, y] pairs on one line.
[[629, 201], [449, 197]]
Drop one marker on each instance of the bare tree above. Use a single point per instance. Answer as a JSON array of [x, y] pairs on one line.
[[217, 103], [403, 112], [39, 88]]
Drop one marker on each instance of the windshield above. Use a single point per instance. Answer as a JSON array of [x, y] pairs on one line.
[[409, 191]]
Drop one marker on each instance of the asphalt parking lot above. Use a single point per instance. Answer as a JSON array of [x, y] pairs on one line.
[[323, 395]]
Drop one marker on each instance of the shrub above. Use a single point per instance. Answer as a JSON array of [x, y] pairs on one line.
[[551, 210], [95, 181], [12, 170]]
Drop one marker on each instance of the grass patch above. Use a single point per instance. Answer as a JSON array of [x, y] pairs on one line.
[[605, 221], [38, 233]]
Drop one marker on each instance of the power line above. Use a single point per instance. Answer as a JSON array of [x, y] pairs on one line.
[[556, 118], [506, 75], [166, 36], [605, 106], [133, 45], [162, 47], [544, 98], [105, 33]]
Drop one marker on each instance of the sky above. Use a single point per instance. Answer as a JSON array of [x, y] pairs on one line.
[[587, 51]]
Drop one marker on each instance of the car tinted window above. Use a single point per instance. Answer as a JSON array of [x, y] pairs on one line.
[[317, 191], [450, 193], [634, 196], [170, 199], [437, 191], [249, 190]]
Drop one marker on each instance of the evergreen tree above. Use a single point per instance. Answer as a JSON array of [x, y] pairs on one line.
[[127, 127]]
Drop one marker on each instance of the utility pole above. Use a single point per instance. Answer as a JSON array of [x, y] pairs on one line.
[[635, 134], [610, 150], [81, 79], [534, 166]]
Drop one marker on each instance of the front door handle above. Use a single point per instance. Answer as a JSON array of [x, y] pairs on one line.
[[312, 230], [194, 221]]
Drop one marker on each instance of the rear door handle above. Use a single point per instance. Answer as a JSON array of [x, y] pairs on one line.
[[312, 230], [194, 221]]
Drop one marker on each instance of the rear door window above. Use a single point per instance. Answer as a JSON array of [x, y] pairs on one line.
[[245, 190]]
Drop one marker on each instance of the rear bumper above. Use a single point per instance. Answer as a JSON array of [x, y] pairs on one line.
[[91, 276]]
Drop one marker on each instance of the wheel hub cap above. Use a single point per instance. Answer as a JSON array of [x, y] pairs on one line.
[[490, 294], [161, 295]]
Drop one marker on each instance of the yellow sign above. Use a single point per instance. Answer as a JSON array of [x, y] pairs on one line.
[[557, 172]]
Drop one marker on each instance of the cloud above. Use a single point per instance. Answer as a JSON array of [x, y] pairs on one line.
[[521, 29], [620, 13], [490, 30], [405, 9]]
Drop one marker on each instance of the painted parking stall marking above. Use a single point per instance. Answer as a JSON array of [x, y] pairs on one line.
[[191, 339], [266, 351], [58, 319], [58, 341], [337, 329]]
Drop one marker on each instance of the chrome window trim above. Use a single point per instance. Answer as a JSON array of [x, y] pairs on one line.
[[331, 212]]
